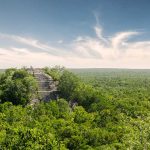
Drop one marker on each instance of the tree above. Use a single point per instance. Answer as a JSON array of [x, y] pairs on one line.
[[85, 95], [17, 86], [54, 72], [67, 84]]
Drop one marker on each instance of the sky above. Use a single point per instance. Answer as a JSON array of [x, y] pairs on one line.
[[75, 33]]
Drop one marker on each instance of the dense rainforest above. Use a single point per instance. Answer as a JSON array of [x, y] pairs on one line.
[[97, 109]]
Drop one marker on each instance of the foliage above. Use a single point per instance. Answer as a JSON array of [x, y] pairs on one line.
[[112, 112], [67, 84], [74, 90], [17, 86], [54, 72]]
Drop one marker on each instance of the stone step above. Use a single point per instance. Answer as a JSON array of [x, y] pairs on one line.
[[47, 87]]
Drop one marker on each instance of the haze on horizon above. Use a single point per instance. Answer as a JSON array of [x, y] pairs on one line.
[[75, 33]]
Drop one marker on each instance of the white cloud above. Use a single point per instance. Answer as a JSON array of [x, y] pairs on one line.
[[33, 43], [88, 48], [120, 38], [60, 41], [99, 30], [117, 51], [84, 51]]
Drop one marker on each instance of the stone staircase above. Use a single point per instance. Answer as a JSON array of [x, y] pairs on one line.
[[47, 87]]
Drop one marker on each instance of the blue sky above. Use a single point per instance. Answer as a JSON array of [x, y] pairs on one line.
[[75, 33]]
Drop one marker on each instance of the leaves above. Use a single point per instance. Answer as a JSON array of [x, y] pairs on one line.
[[113, 115], [17, 86]]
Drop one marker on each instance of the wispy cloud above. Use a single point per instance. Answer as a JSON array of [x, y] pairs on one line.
[[121, 38], [85, 51], [33, 43], [99, 30], [60, 41]]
